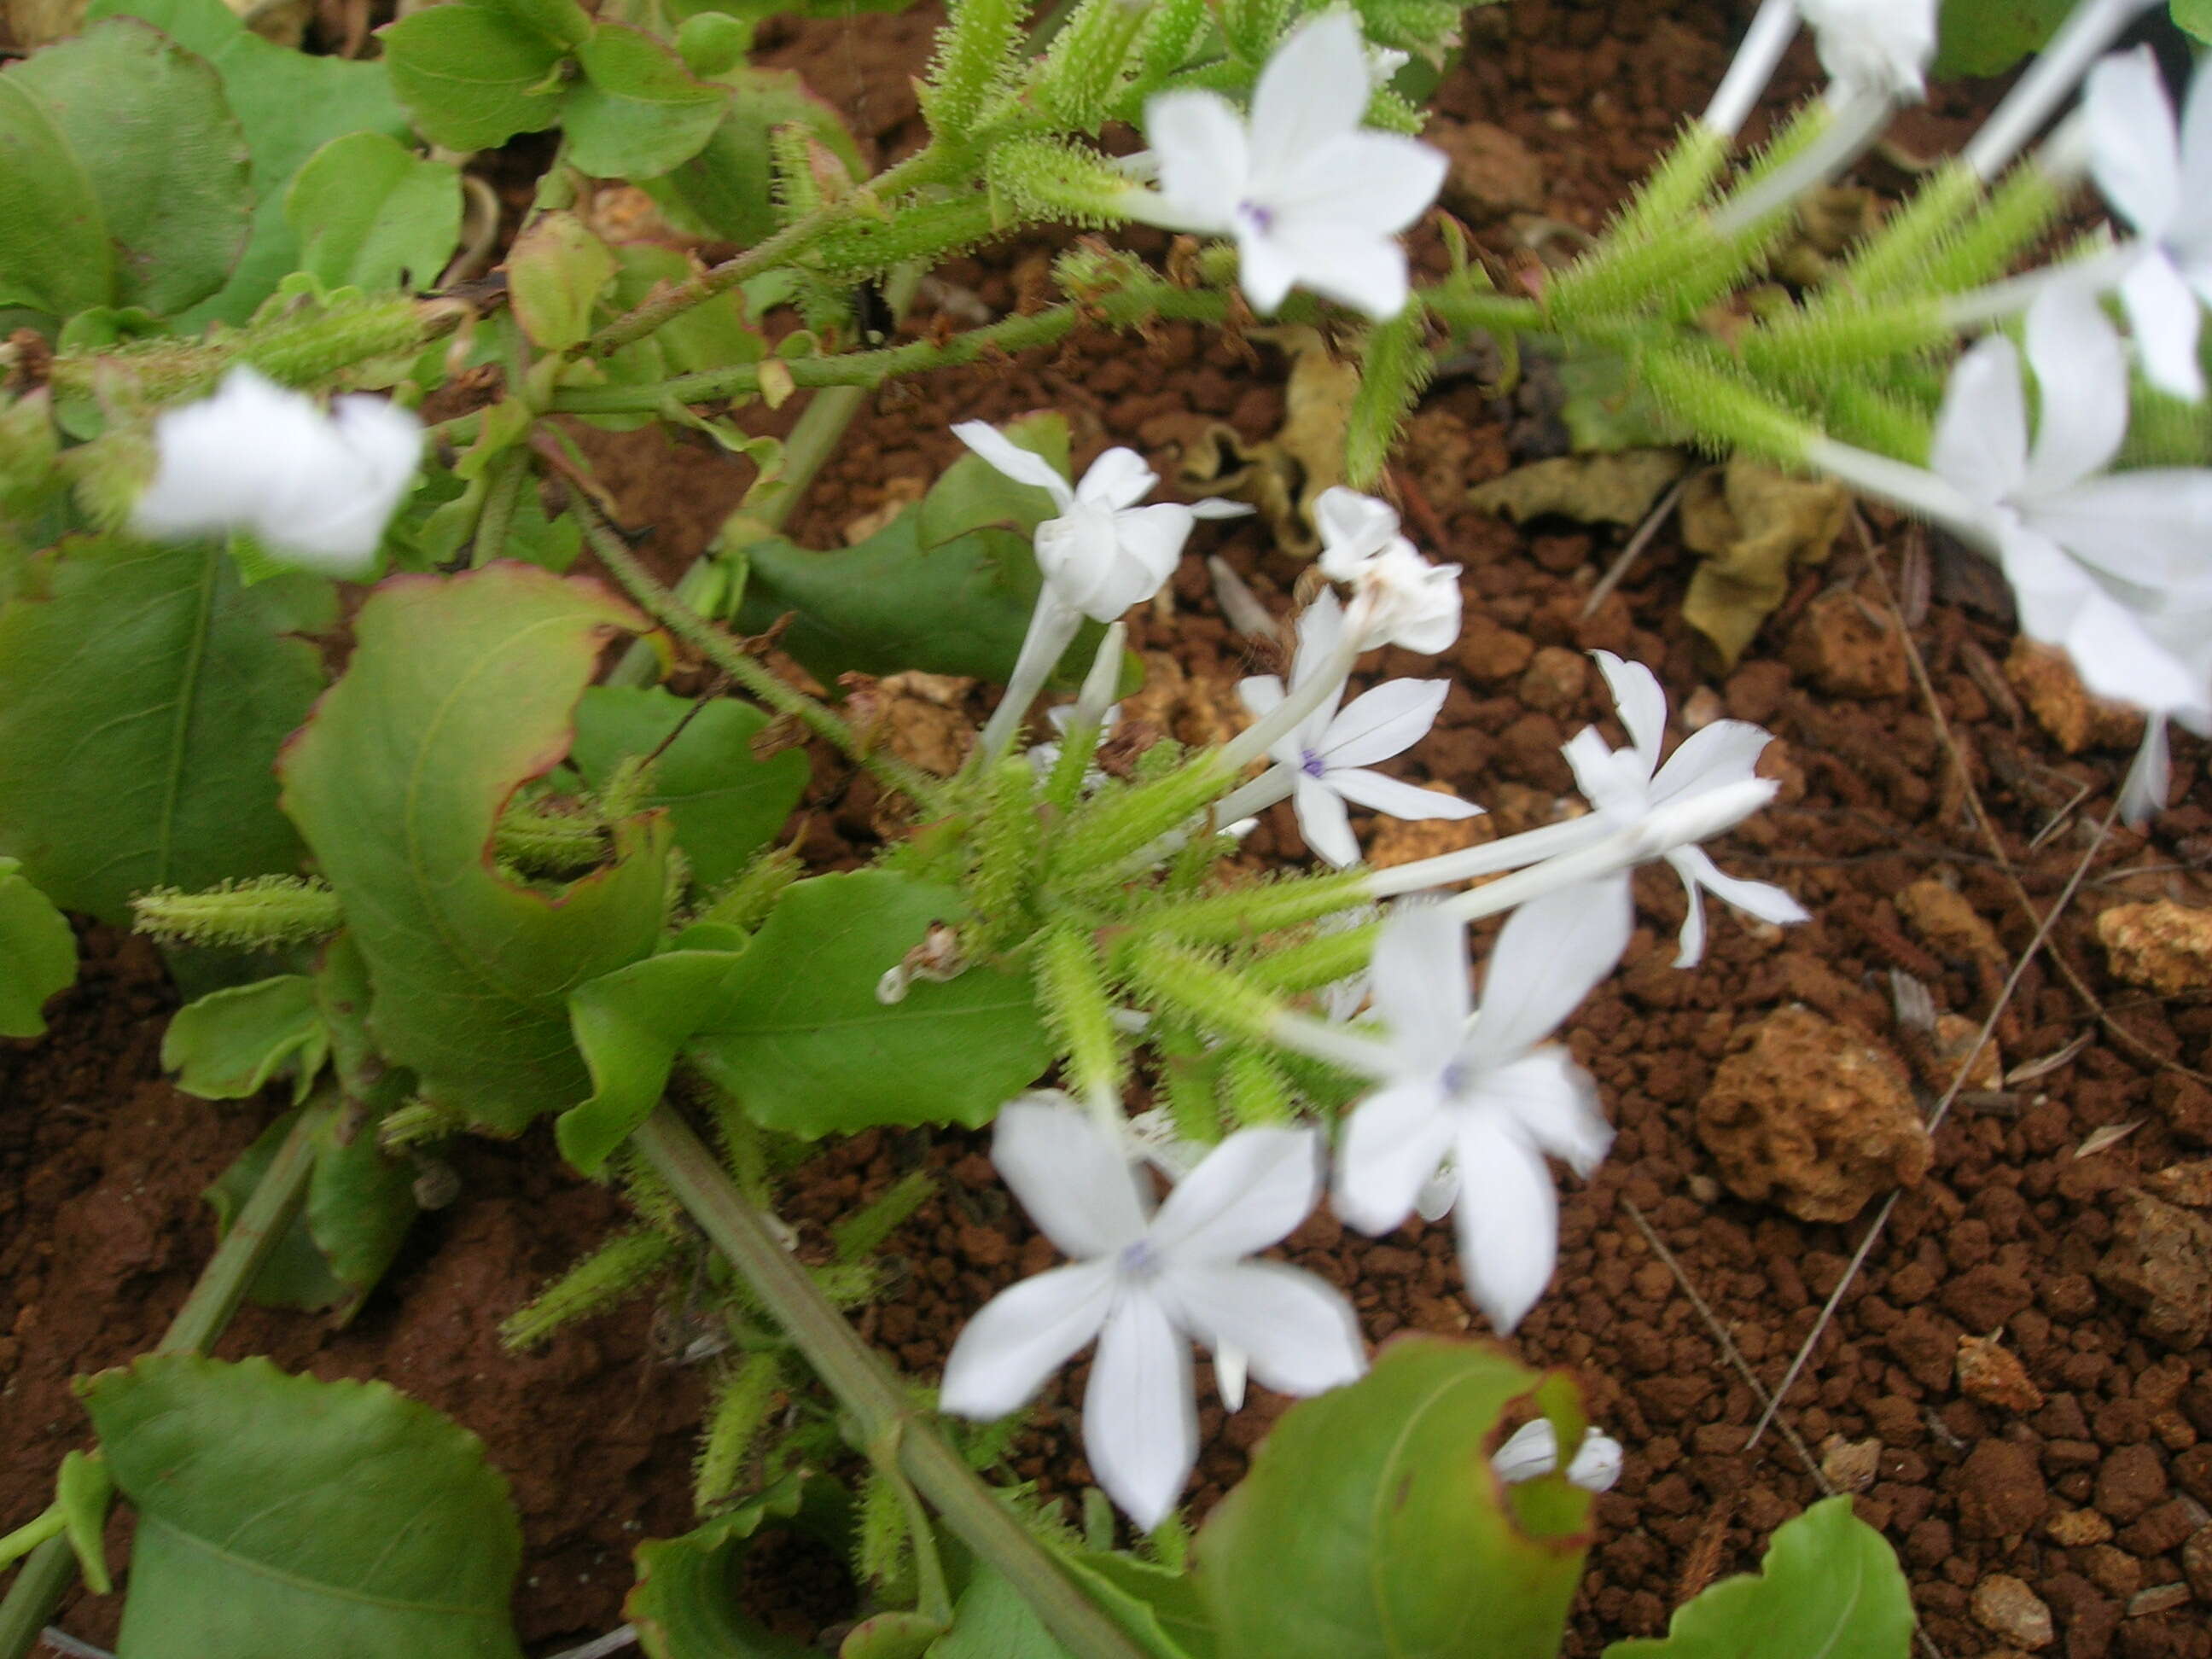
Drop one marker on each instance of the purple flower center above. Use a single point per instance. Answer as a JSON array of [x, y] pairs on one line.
[[1455, 1078], [1311, 764], [1261, 218], [1138, 1262]]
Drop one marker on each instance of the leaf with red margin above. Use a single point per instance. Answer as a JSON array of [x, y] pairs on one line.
[[459, 690], [1372, 1525]]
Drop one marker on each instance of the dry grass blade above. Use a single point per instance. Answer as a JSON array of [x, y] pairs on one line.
[[2028, 1070], [2111, 1135], [1619, 567]]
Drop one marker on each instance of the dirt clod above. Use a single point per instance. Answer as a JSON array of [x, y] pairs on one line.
[[1991, 1373], [1846, 646], [1493, 173], [1813, 1116], [2002, 1492], [2162, 945], [2052, 690], [2161, 1261]]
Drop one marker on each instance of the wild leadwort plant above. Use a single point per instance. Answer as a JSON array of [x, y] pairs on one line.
[[503, 885]]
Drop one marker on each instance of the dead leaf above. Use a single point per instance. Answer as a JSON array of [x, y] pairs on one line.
[[2028, 1070], [1754, 526], [1829, 222], [1283, 476], [1619, 488]]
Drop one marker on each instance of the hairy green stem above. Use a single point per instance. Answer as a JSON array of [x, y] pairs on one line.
[[868, 1390], [276, 1197], [719, 648]]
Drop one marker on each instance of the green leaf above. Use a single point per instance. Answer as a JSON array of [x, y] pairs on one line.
[[280, 1515], [459, 690], [801, 1039], [289, 104], [54, 256], [38, 953], [166, 158], [1165, 1612], [630, 1026], [713, 335], [638, 112], [371, 214], [1373, 1525], [2194, 17], [555, 270], [1988, 37], [142, 695], [992, 1620], [228, 1044], [727, 189], [725, 805], [683, 1604], [563, 22], [973, 494], [83, 1492], [471, 76], [1830, 1585]]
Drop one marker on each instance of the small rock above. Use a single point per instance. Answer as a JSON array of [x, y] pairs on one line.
[[1850, 1465], [2114, 1571], [2007, 1607], [1991, 1372], [1952, 1039], [1813, 1116], [2161, 1598], [1941, 916], [2076, 720], [2162, 945], [1491, 171], [1489, 653], [2186, 1104], [2130, 1482], [2077, 1529], [2161, 1261], [2197, 1563], [2188, 1184], [1846, 646], [1555, 679]]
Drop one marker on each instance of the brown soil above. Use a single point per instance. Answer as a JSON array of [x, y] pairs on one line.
[[2082, 1471]]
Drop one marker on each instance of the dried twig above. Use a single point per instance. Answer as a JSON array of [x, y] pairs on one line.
[[1634, 550]]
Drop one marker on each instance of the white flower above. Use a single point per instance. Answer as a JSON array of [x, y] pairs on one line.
[[2093, 558], [1328, 750], [1140, 1285], [1494, 1098], [1874, 48], [1532, 1449], [1104, 553], [1312, 198], [1626, 785], [1398, 597], [314, 490], [2160, 181]]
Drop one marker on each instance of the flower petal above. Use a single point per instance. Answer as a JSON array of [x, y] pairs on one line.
[[1509, 1222], [1323, 822], [1980, 446], [1530, 1451], [1075, 1184], [1080, 554], [1267, 269], [1022, 466], [1313, 91], [2081, 383], [1152, 542], [1552, 953], [1613, 781], [1554, 1103], [2151, 528], [1260, 694], [1596, 1466], [2195, 219], [1353, 528], [2142, 796], [1395, 797], [1118, 478], [2135, 153], [1140, 1425], [1762, 899], [1022, 1335], [1393, 1144], [2164, 313], [1204, 162], [1641, 704], [1213, 506], [1711, 757], [1295, 1330], [1420, 983], [1365, 186], [1385, 721], [1253, 1188]]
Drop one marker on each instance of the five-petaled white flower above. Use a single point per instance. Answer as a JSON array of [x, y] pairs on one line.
[[2160, 181], [1103, 553], [1493, 1098], [1874, 48], [2091, 557], [1626, 784], [1141, 1284], [1532, 1449], [1398, 597], [1330, 750], [1312, 198], [314, 490]]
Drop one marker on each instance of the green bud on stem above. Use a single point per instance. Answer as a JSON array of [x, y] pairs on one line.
[[262, 913]]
